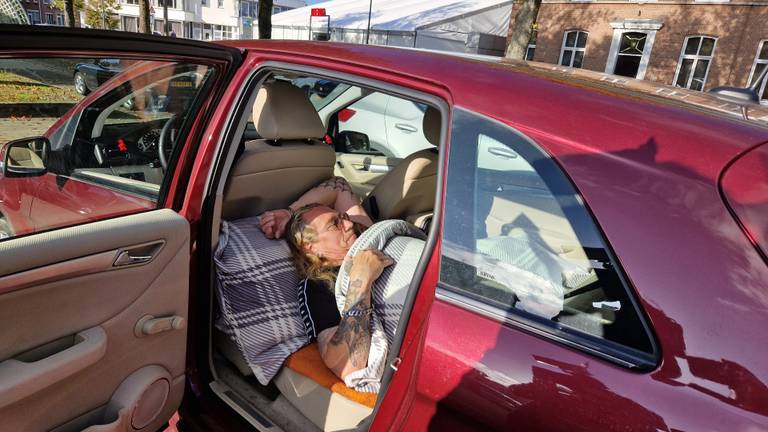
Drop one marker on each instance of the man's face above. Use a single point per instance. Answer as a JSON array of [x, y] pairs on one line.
[[335, 233]]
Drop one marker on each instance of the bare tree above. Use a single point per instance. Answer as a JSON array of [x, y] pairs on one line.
[[522, 25], [69, 13], [144, 24], [265, 19]]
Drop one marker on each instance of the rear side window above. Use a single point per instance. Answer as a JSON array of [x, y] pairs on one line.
[[518, 239]]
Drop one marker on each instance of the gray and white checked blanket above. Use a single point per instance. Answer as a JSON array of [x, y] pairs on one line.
[[404, 243], [258, 295]]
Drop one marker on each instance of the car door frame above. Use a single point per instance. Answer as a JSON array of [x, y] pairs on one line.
[[209, 412], [34, 42]]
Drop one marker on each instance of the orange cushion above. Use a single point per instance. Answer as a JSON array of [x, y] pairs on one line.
[[307, 362]]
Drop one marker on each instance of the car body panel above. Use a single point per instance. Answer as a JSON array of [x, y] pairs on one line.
[[647, 166], [100, 277], [745, 189]]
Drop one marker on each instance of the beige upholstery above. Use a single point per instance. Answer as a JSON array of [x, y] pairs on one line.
[[24, 157], [283, 112], [274, 171], [327, 410], [408, 189], [267, 177], [431, 125]]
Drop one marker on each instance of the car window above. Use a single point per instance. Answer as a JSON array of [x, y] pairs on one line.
[[367, 122], [112, 125], [518, 238], [392, 124]]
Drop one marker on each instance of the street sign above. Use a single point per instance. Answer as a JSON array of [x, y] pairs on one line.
[[316, 12]]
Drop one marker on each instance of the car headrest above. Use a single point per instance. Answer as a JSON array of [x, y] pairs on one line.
[[431, 125], [283, 112]]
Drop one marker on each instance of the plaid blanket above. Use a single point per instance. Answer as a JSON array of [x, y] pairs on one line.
[[404, 243], [258, 295]]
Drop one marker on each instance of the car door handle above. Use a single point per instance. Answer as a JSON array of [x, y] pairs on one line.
[[405, 127], [502, 152], [138, 255], [23, 376]]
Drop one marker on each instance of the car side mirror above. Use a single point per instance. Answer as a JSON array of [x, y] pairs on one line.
[[352, 142], [26, 157]]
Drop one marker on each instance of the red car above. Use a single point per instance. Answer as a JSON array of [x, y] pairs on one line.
[[596, 255]]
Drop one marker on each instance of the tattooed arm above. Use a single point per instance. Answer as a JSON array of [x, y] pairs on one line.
[[334, 192], [344, 348]]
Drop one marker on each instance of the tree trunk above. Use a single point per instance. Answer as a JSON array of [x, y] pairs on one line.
[[265, 19], [144, 24], [522, 25], [69, 13]]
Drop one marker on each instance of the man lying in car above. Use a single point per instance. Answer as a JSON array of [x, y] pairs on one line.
[[321, 226]]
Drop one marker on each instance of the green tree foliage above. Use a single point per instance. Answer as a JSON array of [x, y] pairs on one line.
[[99, 14], [102, 14]]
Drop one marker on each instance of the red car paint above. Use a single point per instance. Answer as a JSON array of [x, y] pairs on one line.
[[649, 169]]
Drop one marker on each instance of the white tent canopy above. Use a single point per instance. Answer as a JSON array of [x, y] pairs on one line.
[[455, 25]]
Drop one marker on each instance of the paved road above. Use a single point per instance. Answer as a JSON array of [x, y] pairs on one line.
[[57, 72], [11, 129]]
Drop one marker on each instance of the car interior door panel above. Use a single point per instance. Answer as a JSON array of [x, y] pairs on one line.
[[76, 346]]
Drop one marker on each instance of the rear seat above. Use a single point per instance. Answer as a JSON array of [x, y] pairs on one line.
[[271, 173]]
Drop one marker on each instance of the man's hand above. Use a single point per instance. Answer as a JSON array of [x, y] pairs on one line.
[[273, 223], [367, 266]]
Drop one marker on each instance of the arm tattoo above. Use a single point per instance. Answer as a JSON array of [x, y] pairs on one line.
[[337, 183], [355, 333]]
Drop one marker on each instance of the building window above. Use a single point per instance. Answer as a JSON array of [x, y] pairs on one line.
[[276, 10], [631, 47], [130, 24], [133, 2], [220, 4], [572, 52], [34, 17], [530, 52], [630, 54], [59, 19], [695, 58], [49, 19], [205, 3], [761, 63], [222, 32]]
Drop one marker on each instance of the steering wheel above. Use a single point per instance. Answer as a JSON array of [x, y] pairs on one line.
[[165, 140]]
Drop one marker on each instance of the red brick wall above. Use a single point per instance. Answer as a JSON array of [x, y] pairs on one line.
[[738, 29]]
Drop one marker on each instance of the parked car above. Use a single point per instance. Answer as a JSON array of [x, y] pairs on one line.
[[596, 258], [89, 76]]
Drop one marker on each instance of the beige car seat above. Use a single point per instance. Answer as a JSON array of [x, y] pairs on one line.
[[288, 160], [24, 157], [408, 191], [272, 172]]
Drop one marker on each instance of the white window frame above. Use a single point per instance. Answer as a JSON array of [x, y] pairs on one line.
[[695, 57], [528, 49], [757, 61], [647, 26], [574, 48]]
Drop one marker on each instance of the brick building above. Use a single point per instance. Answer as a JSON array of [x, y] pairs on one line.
[[42, 12], [693, 44]]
